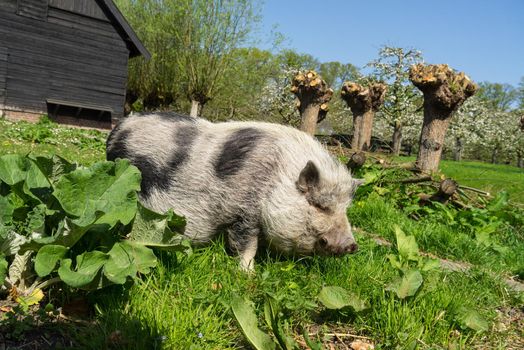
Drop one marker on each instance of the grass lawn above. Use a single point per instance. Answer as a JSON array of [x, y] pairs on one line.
[[491, 178], [185, 302]]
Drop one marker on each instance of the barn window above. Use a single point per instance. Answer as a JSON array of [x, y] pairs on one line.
[[80, 114]]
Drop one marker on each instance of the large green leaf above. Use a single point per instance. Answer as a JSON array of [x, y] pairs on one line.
[[407, 285], [126, 259], [106, 187], [53, 167], [24, 176], [47, 257], [10, 241], [406, 245], [245, 315], [13, 168], [3, 269], [67, 234], [20, 264], [159, 230], [471, 319], [334, 297], [6, 210], [87, 267]]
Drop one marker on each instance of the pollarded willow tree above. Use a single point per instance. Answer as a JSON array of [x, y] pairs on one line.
[[192, 44], [313, 95], [207, 32], [400, 104], [153, 82], [444, 92], [364, 101]]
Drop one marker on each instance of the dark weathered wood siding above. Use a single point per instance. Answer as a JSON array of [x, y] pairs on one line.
[[88, 8], [3, 75], [36, 9], [69, 56]]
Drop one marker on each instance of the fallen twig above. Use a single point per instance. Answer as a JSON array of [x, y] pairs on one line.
[[342, 335], [472, 189]]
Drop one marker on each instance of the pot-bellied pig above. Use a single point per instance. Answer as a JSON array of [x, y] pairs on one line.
[[261, 183]]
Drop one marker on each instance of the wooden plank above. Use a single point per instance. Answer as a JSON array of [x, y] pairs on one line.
[[88, 24], [3, 74], [8, 6], [80, 105], [57, 33], [86, 72], [36, 9], [88, 82], [60, 89], [35, 44], [111, 60], [87, 8]]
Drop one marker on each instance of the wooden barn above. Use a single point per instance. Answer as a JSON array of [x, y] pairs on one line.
[[66, 58]]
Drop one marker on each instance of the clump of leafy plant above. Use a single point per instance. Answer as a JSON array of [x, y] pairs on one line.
[[409, 264], [81, 226], [46, 131], [333, 298]]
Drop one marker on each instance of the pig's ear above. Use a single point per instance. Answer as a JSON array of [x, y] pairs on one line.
[[309, 177]]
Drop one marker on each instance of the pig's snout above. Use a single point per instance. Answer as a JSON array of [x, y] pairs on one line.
[[337, 246]]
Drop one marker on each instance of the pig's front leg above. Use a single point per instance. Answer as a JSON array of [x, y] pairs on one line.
[[243, 239]]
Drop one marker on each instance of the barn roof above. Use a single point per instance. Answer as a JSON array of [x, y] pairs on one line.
[[136, 48]]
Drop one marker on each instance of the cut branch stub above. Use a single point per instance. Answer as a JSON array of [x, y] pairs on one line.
[[446, 190], [444, 92], [356, 160], [313, 96], [360, 98], [444, 88], [364, 102]]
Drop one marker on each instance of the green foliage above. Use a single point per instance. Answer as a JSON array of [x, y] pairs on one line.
[[78, 218], [409, 263], [85, 146], [247, 320], [469, 318], [333, 297], [184, 303]]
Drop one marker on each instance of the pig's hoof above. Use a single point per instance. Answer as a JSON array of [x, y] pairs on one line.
[[247, 266]]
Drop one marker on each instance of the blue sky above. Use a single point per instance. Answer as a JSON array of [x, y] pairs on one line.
[[485, 39]]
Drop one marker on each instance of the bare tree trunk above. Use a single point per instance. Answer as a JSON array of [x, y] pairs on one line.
[[357, 127], [366, 129], [313, 96], [494, 155], [196, 109], [520, 160], [397, 139], [431, 141], [458, 150], [309, 117], [364, 102], [444, 92]]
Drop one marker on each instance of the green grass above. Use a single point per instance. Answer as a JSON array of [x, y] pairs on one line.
[[184, 303], [47, 138], [491, 178]]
